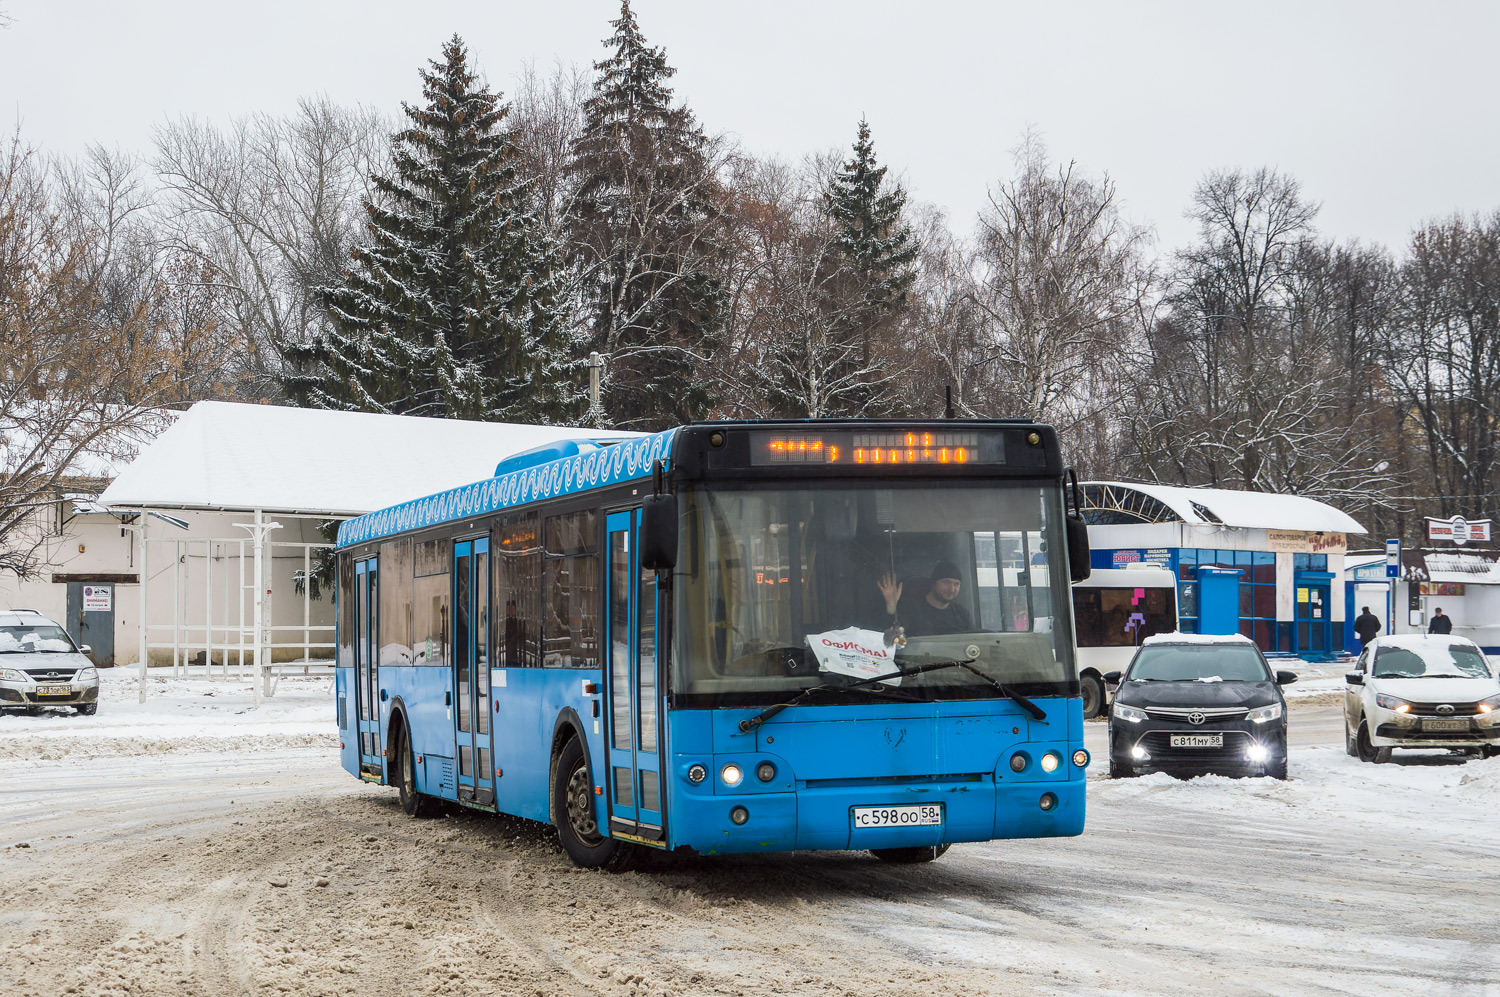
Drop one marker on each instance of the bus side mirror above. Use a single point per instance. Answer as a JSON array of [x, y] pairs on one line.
[[1078, 549], [659, 533]]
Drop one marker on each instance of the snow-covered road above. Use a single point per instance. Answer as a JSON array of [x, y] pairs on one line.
[[247, 862]]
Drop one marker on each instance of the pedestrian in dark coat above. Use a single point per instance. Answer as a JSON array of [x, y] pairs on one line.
[[1440, 624], [1366, 625]]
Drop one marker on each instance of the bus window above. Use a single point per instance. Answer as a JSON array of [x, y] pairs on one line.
[[571, 584], [518, 585], [430, 602], [1122, 617]]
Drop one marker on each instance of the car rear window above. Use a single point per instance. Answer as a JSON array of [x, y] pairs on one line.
[[1450, 661], [1198, 663]]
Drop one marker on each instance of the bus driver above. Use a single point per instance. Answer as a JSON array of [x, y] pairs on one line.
[[934, 613]]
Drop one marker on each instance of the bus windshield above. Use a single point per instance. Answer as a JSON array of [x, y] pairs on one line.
[[782, 589]]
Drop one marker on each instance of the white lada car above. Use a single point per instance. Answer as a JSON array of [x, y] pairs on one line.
[[41, 666], [1429, 691]]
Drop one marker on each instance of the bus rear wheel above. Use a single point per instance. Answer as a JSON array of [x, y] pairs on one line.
[[414, 803], [909, 856], [1092, 687], [575, 812]]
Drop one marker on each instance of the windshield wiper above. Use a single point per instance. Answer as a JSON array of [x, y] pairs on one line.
[[1037, 713], [749, 724]]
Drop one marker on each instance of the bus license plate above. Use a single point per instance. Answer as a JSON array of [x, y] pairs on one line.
[[1197, 740], [54, 690], [919, 816], [1445, 725]]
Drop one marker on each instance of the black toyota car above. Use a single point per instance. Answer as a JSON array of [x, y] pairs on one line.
[[1191, 704]]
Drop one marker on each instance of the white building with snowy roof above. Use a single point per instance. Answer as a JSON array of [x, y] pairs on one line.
[[1264, 565], [230, 493], [1462, 581]]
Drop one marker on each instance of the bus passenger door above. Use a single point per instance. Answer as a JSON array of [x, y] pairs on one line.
[[471, 670], [635, 787], [367, 663]]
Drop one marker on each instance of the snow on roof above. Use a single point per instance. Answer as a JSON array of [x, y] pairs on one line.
[[1182, 638], [1481, 567], [1416, 642], [229, 456], [1253, 510]]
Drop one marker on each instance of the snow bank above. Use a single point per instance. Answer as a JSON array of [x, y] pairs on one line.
[[180, 714]]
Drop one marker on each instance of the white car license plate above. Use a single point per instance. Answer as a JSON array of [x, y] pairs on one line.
[[926, 815], [1197, 740], [54, 690], [1445, 725]]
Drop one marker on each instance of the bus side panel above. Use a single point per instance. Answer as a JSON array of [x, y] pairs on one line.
[[343, 682], [530, 700], [423, 691]]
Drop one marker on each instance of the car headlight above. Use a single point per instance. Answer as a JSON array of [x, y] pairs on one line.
[[1123, 712], [1265, 713], [1394, 703], [11, 675], [88, 674], [1489, 705]]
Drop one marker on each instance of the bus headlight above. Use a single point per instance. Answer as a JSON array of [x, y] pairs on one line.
[[1047, 802], [1018, 762], [1050, 761], [765, 771], [696, 774], [1080, 758], [732, 774], [739, 815]]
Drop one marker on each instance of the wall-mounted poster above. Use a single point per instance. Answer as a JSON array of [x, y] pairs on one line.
[[1442, 588]]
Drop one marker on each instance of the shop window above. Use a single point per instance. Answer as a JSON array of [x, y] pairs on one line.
[[1187, 564], [1263, 568]]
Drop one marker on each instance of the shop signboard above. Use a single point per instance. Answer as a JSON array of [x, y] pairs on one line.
[[1306, 542], [1442, 588], [1160, 556], [1458, 530]]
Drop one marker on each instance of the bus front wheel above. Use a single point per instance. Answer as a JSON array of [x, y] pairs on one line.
[[1092, 687], [576, 815]]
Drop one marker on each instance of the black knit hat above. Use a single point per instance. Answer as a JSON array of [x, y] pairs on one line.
[[946, 569]]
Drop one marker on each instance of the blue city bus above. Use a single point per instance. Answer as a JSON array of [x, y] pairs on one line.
[[730, 637]]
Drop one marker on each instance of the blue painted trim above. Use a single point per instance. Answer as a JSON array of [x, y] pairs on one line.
[[625, 461]]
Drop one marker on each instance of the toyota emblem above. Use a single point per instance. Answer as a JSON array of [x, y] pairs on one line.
[[1445, 710], [1195, 718]]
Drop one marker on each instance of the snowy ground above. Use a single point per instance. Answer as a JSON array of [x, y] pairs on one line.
[[239, 859]]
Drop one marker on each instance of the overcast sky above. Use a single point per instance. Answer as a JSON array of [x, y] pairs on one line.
[[1384, 111]]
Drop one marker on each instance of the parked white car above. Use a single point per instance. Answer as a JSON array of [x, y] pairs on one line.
[[41, 666], [1421, 691]]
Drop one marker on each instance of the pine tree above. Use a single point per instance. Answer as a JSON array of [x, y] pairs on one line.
[[455, 307], [834, 354], [641, 236], [879, 250]]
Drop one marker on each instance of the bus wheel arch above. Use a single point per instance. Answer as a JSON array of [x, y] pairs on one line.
[[400, 758], [1091, 687], [573, 807]]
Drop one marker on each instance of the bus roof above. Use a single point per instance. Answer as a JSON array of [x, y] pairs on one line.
[[1141, 576], [610, 465]]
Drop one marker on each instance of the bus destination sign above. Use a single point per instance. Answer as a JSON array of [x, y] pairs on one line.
[[877, 449]]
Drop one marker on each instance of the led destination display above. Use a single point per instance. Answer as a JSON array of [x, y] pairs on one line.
[[883, 449]]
